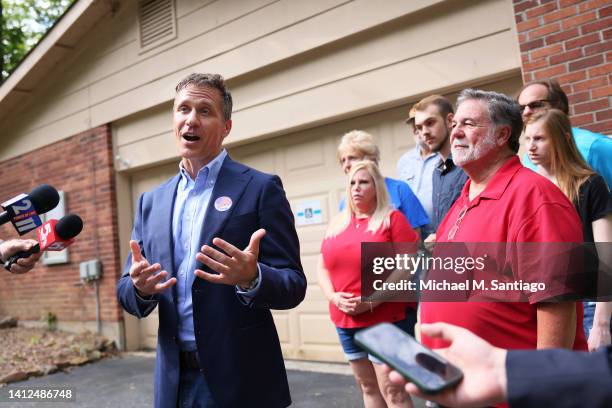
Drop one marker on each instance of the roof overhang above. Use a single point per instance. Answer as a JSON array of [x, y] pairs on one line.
[[58, 44]]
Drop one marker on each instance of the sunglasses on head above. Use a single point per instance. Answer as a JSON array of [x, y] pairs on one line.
[[535, 104]]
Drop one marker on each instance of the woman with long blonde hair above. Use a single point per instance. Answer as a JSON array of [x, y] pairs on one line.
[[368, 217], [552, 149], [358, 145]]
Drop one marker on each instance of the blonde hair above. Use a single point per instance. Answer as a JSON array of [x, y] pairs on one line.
[[361, 142], [380, 218], [566, 163]]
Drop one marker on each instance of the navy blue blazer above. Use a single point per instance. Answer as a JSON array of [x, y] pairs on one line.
[[559, 378], [238, 346]]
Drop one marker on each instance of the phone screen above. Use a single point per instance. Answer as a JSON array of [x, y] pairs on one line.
[[428, 370]]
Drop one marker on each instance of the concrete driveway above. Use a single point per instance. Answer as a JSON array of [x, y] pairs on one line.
[[127, 381]]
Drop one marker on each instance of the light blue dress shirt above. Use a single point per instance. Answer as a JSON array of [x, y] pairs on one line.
[[418, 173], [190, 207], [192, 199]]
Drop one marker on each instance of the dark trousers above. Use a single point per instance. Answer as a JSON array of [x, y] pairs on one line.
[[193, 388]]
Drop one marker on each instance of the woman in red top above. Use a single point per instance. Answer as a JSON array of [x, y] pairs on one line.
[[368, 217]]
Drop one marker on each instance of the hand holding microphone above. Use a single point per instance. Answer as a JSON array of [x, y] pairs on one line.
[[53, 235], [14, 246]]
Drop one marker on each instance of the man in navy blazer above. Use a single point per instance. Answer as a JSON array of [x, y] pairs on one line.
[[215, 248]]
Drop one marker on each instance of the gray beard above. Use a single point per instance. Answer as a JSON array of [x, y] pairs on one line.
[[462, 157]]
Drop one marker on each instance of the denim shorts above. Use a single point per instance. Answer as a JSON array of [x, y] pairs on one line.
[[354, 352], [589, 314]]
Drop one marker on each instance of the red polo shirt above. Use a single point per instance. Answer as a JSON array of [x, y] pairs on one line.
[[517, 205]]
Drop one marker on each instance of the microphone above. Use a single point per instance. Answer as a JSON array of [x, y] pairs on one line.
[[53, 235], [23, 210]]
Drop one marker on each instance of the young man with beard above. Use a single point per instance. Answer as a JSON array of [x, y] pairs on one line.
[[433, 117]]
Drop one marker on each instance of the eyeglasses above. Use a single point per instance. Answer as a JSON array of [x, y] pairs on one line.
[[535, 104], [455, 228]]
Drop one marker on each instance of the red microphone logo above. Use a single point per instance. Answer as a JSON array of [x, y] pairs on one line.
[[48, 238]]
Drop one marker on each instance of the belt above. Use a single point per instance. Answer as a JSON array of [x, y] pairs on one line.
[[189, 359]]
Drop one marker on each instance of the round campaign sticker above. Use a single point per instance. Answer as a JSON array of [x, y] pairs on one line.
[[223, 203]]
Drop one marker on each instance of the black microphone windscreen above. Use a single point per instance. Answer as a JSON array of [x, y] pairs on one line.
[[69, 226], [44, 198]]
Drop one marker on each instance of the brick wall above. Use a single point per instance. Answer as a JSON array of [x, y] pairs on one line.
[[570, 40], [81, 166]]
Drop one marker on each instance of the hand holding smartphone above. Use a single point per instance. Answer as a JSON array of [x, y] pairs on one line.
[[418, 364]]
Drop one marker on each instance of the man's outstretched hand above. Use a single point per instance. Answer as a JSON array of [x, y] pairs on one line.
[[147, 279], [234, 266]]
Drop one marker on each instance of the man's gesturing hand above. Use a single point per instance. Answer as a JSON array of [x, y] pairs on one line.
[[147, 279], [235, 267]]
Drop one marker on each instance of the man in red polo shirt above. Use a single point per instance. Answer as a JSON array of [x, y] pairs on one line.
[[504, 202]]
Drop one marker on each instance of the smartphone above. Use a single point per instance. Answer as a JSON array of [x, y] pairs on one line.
[[418, 364]]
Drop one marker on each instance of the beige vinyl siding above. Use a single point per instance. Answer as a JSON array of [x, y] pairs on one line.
[[108, 78], [371, 72]]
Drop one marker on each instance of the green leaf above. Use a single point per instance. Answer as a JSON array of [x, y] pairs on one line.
[[22, 24]]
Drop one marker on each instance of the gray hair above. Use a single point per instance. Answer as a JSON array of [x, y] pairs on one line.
[[502, 109], [213, 81]]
